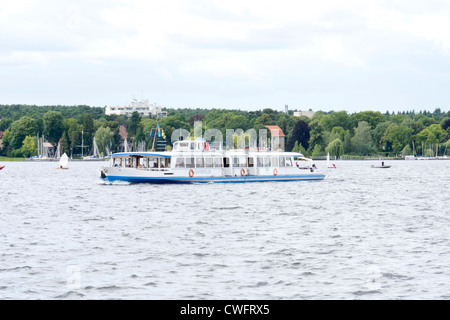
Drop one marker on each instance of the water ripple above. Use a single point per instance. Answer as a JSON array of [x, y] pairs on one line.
[[359, 234]]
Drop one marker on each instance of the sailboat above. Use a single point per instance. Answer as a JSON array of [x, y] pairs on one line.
[[329, 165], [64, 162], [413, 156], [95, 153]]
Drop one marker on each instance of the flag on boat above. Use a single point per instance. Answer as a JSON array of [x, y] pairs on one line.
[[163, 134], [159, 130], [151, 133]]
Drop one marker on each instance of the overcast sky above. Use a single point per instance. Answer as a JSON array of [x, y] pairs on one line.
[[351, 55]]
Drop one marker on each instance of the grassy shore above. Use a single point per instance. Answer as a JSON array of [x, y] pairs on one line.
[[11, 159]]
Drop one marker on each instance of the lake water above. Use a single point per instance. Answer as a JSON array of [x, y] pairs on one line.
[[362, 233]]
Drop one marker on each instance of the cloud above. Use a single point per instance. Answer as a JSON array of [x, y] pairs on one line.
[[215, 47]]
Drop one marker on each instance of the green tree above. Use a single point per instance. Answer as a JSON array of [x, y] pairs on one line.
[[407, 150], [316, 140], [5, 123], [65, 143], [300, 134], [362, 139], [335, 148], [378, 135], [432, 135], [53, 126], [73, 129], [88, 129], [371, 117], [397, 137], [264, 120], [103, 137], [134, 123], [317, 151], [25, 126], [337, 119], [29, 147]]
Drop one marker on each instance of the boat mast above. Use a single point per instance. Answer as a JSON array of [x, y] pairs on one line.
[[82, 146], [157, 125]]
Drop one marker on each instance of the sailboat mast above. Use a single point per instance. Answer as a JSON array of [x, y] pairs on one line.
[[82, 146]]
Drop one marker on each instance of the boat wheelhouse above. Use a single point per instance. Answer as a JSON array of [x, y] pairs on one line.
[[195, 161]]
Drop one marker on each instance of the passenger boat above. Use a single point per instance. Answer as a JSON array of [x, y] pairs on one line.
[[193, 161]]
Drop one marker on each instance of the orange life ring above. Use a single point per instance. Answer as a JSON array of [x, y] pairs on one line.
[[275, 171], [191, 173], [242, 172]]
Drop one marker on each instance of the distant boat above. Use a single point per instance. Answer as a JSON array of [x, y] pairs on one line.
[[96, 153], [1, 167], [329, 165], [383, 166], [64, 162]]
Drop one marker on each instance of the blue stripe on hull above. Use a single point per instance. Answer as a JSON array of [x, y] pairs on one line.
[[163, 180]]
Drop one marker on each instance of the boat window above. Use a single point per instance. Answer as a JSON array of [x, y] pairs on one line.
[[133, 162], [288, 162], [209, 162], [152, 163], [163, 162], [218, 162], [179, 163], [259, 162], [235, 162], [274, 161], [282, 162], [226, 162], [192, 146], [242, 162], [189, 162], [182, 146], [199, 163], [251, 162], [266, 162]]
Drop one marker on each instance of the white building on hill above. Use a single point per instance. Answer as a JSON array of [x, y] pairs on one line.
[[144, 108], [308, 114]]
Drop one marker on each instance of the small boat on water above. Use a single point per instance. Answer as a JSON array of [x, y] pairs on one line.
[[64, 162], [193, 161], [329, 164], [383, 166], [1, 167]]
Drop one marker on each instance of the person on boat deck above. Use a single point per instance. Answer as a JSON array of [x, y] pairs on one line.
[[382, 163]]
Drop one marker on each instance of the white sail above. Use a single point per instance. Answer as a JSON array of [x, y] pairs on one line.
[[96, 151], [64, 161]]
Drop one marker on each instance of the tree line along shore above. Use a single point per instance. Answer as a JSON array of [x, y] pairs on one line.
[[339, 133]]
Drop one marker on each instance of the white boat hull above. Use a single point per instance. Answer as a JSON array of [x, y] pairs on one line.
[[133, 175]]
